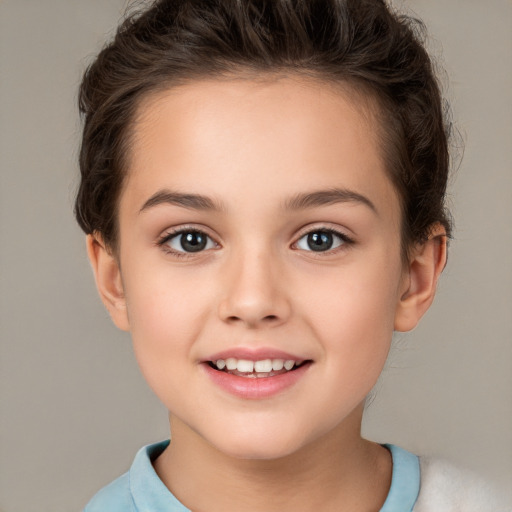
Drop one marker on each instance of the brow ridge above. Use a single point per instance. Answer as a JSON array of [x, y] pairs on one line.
[[191, 201], [297, 202], [326, 197]]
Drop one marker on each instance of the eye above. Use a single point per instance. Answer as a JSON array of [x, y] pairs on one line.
[[322, 240], [188, 241]]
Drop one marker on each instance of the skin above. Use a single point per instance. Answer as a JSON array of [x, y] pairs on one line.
[[251, 148]]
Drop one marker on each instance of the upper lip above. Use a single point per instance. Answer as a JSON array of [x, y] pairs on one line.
[[254, 354]]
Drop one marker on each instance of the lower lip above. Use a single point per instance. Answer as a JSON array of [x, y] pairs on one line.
[[255, 388]]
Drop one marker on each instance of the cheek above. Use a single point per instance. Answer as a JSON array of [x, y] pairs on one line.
[[164, 313], [353, 311], [356, 332], [162, 302]]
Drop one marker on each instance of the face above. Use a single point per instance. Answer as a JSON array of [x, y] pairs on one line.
[[259, 232]]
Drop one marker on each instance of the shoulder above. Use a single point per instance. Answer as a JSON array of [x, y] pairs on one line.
[[115, 497], [448, 488], [138, 489]]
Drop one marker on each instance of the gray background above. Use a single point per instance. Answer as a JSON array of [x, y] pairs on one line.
[[73, 407]]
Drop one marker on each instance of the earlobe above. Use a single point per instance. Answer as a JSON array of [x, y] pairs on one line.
[[420, 280], [107, 275]]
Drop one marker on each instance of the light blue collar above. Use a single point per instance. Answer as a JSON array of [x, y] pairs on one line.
[[405, 481], [148, 491], [150, 494]]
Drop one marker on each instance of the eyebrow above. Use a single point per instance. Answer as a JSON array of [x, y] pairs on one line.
[[191, 201], [297, 202], [326, 197]]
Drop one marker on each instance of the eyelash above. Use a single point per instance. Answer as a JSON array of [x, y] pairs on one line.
[[169, 235], [345, 241]]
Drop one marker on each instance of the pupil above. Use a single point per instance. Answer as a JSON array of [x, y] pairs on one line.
[[320, 241], [193, 242]]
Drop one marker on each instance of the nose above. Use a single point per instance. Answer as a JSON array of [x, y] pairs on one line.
[[254, 292]]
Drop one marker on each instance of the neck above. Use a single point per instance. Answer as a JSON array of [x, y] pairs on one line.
[[339, 471]]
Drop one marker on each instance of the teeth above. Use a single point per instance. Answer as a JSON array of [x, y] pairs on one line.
[[289, 364], [245, 366], [231, 363], [261, 366], [277, 364]]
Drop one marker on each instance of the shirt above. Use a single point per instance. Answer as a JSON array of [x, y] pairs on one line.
[[141, 490]]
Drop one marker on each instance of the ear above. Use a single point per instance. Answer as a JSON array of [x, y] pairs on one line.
[[420, 279], [108, 280]]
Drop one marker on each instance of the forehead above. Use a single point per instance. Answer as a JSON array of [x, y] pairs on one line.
[[252, 132], [258, 102]]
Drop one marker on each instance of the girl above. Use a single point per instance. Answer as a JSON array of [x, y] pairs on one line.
[[263, 196]]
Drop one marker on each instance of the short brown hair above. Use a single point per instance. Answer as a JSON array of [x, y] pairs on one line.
[[362, 43]]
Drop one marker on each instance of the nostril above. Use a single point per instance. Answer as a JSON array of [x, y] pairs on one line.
[[265, 319]]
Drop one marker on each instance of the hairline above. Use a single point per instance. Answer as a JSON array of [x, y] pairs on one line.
[[375, 107]]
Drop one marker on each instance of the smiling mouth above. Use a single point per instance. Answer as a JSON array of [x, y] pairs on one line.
[[256, 369]]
